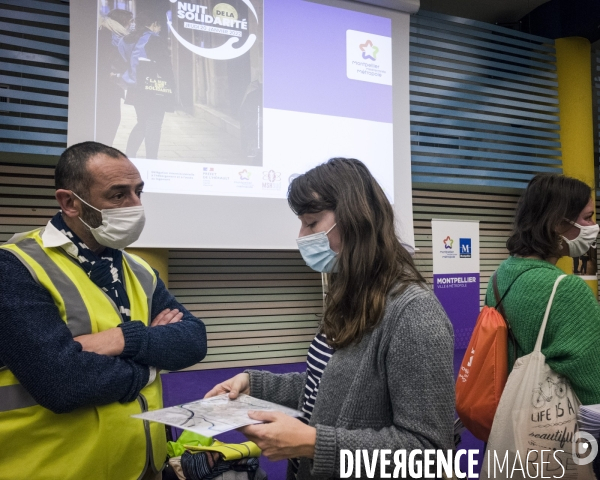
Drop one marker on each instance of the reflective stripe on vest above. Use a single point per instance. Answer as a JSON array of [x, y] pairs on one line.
[[79, 322], [15, 396], [146, 279]]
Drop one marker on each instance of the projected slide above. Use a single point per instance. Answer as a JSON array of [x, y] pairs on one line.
[[237, 98]]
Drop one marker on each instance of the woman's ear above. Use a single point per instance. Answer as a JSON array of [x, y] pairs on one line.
[[562, 227]]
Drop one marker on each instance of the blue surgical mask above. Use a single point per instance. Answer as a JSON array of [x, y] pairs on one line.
[[317, 252]]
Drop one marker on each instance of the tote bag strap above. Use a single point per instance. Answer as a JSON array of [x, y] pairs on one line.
[[538, 343]]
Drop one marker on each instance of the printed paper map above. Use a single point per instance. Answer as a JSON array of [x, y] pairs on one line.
[[214, 415]]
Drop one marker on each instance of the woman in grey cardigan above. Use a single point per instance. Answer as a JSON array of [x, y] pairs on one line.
[[379, 372]]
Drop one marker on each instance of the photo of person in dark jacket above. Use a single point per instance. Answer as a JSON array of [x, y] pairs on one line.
[[177, 93], [111, 65], [149, 81]]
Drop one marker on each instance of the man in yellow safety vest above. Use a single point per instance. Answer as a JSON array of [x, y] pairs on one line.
[[85, 327]]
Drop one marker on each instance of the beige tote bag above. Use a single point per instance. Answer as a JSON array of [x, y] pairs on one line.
[[536, 421]]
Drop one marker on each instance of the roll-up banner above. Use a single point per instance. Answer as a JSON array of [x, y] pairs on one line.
[[456, 274]]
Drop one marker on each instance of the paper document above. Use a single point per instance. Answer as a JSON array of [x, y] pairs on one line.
[[214, 415]]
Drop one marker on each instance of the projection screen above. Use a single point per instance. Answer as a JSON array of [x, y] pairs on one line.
[[221, 105]]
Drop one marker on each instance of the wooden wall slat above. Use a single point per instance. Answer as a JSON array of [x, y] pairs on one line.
[[210, 364], [259, 307]]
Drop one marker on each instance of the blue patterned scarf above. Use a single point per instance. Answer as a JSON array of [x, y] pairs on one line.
[[105, 270]]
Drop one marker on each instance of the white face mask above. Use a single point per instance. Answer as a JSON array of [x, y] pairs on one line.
[[120, 226], [585, 239]]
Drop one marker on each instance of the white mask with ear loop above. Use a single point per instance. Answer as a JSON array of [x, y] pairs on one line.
[[120, 226], [586, 239]]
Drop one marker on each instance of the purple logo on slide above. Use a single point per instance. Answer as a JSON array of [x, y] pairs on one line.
[[369, 50]]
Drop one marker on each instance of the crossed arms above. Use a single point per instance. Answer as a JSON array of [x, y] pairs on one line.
[[58, 372]]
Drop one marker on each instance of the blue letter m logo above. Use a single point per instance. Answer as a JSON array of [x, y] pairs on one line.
[[465, 247]]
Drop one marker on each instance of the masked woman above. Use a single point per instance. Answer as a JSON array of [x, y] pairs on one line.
[[379, 372], [554, 219]]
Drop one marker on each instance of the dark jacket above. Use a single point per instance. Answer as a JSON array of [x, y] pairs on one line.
[[110, 62], [149, 61]]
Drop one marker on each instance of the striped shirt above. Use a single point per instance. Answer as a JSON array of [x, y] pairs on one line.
[[319, 354]]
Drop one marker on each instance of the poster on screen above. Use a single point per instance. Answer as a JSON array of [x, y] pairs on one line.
[[221, 104], [193, 95]]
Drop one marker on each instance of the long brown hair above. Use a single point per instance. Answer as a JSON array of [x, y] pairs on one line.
[[372, 263], [548, 200]]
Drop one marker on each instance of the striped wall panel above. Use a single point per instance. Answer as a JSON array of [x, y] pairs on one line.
[[483, 103], [26, 197], [34, 73], [259, 307]]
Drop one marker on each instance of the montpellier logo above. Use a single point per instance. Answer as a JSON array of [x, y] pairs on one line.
[[465, 247], [369, 50], [368, 57], [224, 18], [448, 243]]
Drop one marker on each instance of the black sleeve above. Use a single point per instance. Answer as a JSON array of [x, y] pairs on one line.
[[167, 347], [38, 348]]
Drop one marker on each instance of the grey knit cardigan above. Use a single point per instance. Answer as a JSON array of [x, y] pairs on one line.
[[393, 390]]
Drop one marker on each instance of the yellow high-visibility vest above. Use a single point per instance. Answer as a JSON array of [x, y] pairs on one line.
[[91, 443]]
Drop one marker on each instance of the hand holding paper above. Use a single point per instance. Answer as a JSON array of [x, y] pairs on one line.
[[281, 436], [212, 416]]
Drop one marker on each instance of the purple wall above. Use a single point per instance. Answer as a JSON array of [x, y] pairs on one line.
[[182, 387]]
